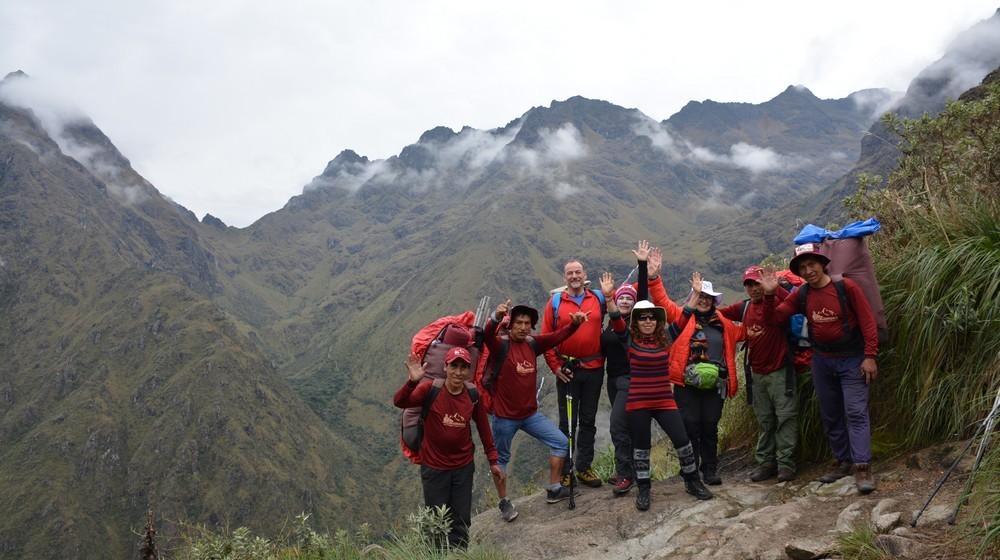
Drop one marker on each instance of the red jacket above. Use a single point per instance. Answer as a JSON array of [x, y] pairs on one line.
[[681, 348], [586, 341]]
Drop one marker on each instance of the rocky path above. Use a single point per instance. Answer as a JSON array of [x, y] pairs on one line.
[[760, 521]]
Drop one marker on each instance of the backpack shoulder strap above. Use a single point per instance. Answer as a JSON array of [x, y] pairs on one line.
[[845, 304], [533, 344], [500, 357], [432, 394], [556, 299], [743, 312], [473, 392]]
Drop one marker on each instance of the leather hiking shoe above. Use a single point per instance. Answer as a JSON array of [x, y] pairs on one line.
[[507, 511], [763, 472], [642, 499], [839, 470], [623, 486], [697, 489], [785, 474], [711, 477], [863, 478], [588, 478], [555, 496]]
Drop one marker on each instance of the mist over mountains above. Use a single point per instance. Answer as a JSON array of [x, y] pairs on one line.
[[240, 376]]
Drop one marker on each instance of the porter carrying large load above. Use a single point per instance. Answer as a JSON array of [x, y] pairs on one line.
[[849, 257]]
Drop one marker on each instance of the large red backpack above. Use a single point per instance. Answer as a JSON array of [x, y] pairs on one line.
[[432, 343]]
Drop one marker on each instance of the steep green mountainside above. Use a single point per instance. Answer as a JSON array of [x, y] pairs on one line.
[[124, 387]]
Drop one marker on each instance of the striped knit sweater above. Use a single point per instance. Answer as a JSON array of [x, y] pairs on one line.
[[650, 388]]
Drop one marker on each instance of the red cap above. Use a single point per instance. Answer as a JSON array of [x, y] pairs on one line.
[[457, 353], [752, 273]]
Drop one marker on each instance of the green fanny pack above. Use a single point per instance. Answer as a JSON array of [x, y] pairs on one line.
[[701, 375]]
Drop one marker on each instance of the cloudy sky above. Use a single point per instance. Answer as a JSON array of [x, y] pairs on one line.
[[230, 107]]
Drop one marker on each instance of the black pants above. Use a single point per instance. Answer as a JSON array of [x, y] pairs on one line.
[[453, 489], [586, 387], [640, 424], [701, 410], [621, 437]]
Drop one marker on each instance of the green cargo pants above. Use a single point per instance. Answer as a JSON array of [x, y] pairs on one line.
[[776, 414]]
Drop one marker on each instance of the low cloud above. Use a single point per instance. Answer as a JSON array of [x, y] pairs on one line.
[[659, 136], [57, 116], [754, 159], [463, 158]]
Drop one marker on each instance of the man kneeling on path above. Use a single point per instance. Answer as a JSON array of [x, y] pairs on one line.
[[515, 404], [446, 450]]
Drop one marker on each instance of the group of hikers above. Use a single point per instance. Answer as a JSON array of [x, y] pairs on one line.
[[668, 363]]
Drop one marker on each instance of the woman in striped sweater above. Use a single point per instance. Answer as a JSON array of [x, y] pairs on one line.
[[650, 396]]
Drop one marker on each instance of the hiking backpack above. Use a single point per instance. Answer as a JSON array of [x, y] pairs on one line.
[[432, 343], [557, 299]]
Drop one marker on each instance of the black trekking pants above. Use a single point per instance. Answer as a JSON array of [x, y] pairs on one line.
[[621, 437], [701, 410], [586, 386], [452, 488]]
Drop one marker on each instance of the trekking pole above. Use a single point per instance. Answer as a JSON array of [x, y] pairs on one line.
[[979, 430], [569, 415], [989, 422]]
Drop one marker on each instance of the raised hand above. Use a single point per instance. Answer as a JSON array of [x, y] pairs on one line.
[[695, 289], [502, 309], [414, 368], [769, 279], [607, 285], [642, 251], [655, 263]]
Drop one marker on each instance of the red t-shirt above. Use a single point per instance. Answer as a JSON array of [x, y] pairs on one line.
[[447, 443], [514, 395], [768, 343], [823, 313]]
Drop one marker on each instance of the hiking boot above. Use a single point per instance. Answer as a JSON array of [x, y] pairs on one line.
[[623, 486], [588, 478], [839, 470], [507, 511], [615, 479], [711, 477], [785, 474], [763, 472], [642, 498], [564, 480], [554, 496], [697, 489], [863, 478]]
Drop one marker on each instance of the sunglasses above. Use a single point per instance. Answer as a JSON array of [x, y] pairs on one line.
[[646, 318]]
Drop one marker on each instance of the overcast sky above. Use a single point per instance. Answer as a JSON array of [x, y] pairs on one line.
[[230, 107]]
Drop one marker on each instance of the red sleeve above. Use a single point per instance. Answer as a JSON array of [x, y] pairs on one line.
[[411, 394], [546, 342], [485, 432], [733, 312], [490, 337], [866, 319], [658, 295]]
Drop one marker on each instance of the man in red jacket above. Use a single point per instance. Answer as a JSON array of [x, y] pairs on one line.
[[578, 363], [447, 464], [845, 344]]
